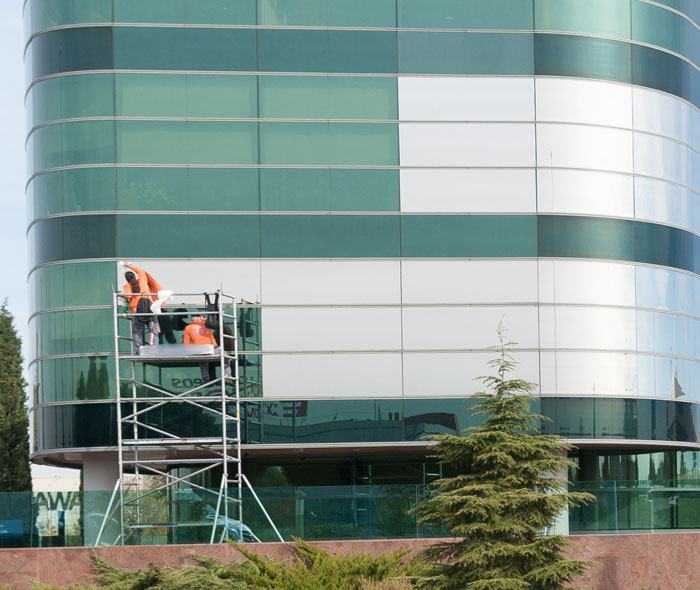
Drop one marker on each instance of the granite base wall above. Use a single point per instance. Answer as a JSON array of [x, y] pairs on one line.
[[670, 561]]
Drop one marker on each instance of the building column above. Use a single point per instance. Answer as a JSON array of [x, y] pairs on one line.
[[100, 474]]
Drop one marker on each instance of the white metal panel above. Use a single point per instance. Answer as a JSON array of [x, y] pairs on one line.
[[465, 191], [438, 98], [469, 281], [584, 101], [595, 328], [579, 146], [467, 144], [662, 158], [323, 375], [331, 329], [663, 114], [331, 282]]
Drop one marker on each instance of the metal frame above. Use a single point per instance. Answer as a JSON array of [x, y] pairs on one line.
[[139, 455]]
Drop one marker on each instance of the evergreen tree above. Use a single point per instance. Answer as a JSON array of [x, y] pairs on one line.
[[15, 474], [506, 493]]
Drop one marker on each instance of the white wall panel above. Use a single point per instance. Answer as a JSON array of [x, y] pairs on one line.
[[662, 158], [578, 146], [331, 329], [321, 375], [593, 328], [662, 114], [466, 99], [330, 282], [439, 328], [469, 281], [596, 374], [465, 191], [446, 374], [585, 192], [548, 373], [466, 144], [584, 101]]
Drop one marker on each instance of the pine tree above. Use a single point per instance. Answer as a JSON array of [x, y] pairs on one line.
[[504, 496], [15, 474]]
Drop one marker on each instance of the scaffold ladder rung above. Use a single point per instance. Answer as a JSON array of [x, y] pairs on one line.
[[201, 440]]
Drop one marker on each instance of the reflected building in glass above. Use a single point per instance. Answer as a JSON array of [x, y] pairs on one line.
[[386, 181]]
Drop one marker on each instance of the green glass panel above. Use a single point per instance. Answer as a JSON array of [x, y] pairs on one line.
[[610, 18], [68, 144], [187, 142], [65, 51], [215, 12], [328, 97], [469, 235], [321, 13], [70, 332], [329, 236], [184, 48], [43, 14], [687, 7], [584, 57], [585, 237], [68, 379], [465, 53], [329, 144], [657, 69], [326, 51], [329, 190], [72, 285], [187, 189], [67, 97], [66, 191], [189, 236], [668, 246], [71, 238], [183, 95], [465, 14], [657, 26]]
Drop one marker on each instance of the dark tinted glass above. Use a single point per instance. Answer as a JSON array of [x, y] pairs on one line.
[[584, 237], [324, 236], [184, 48], [70, 238], [67, 50], [583, 57], [660, 70], [465, 53], [668, 246], [326, 51], [188, 236], [469, 235]]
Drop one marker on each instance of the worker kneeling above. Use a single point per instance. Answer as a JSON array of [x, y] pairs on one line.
[[198, 333]]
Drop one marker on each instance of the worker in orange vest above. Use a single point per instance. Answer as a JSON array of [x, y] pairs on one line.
[[139, 281], [198, 333]]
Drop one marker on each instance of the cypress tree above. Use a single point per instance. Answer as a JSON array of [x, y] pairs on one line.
[[15, 474], [506, 493]]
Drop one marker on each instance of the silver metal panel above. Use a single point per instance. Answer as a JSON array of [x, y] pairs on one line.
[[466, 99], [464, 191], [322, 375], [584, 101], [661, 114], [667, 333], [593, 328], [665, 202], [447, 374], [578, 146], [466, 144], [585, 192], [593, 373], [663, 158], [469, 281], [439, 328], [331, 329], [595, 283], [665, 289], [330, 282]]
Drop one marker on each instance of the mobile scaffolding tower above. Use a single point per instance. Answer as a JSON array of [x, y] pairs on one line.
[[150, 446]]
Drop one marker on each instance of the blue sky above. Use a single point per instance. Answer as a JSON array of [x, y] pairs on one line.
[[13, 248]]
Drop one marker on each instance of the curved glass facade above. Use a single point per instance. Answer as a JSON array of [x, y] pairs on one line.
[[386, 180]]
